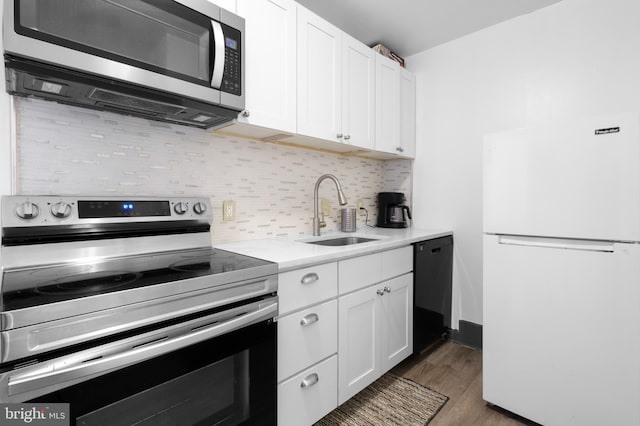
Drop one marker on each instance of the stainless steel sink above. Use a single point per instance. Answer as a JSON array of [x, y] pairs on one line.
[[341, 241]]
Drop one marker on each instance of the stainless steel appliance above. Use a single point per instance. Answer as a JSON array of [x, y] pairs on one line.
[[171, 60], [392, 212], [122, 308]]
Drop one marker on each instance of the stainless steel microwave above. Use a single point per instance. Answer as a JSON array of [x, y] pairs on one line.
[[179, 61]]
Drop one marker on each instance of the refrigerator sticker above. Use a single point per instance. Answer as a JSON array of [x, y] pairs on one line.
[[606, 131]]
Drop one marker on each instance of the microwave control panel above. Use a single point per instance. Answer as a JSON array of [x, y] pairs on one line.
[[232, 76]]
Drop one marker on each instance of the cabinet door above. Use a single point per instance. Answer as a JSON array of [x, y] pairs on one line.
[[358, 82], [306, 337], [407, 113], [360, 272], [396, 262], [358, 334], [319, 77], [307, 397], [308, 286], [230, 5], [396, 313], [387, 105], [270, 76]]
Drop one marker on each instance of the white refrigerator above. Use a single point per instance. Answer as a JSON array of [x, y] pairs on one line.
[[561, 271]]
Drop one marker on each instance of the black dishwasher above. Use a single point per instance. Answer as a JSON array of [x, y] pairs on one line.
[[432, 272]]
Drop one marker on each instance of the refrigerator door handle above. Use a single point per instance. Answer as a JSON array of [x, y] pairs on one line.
[[558, 243]]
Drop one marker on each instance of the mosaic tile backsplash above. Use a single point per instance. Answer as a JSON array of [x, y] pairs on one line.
[[66, 150]]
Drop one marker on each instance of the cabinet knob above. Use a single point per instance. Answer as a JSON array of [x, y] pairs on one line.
[[246, 113], [309, 381], [400, 149], [347, 137], [339, 136], [387, 290], [311, 277], [380, 292], [309, 319]]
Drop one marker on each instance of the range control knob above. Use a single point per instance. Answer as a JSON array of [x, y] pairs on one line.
[[61, 209], [181, 207], [200, 207], [27, 210]]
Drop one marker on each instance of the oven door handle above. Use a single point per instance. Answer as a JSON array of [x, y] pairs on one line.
[[57, 373]]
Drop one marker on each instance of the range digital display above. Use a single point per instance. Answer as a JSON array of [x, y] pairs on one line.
[[88, 209]]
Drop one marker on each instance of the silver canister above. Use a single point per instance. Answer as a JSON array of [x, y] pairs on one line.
[[348, 217]]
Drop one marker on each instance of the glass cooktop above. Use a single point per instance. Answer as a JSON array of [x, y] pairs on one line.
[[38, 286]]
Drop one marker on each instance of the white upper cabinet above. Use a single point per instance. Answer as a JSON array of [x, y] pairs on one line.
[[407, 113], [230, 5], [270, 63], [311, 84], [319, 77], [387, 104], [358, 92], [395, 108], [336, 84]]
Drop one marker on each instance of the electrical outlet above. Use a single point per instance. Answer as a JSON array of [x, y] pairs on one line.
[[228, 210], [326, 207]]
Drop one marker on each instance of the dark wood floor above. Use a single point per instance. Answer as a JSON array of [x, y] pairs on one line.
[[456, 371]]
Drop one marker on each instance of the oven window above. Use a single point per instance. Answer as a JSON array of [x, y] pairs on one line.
[[187, 400], [229, 380]]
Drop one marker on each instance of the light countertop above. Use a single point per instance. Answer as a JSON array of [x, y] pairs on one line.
[[292, 252]]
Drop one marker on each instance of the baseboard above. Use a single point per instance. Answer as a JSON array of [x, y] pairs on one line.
[[469, 334]]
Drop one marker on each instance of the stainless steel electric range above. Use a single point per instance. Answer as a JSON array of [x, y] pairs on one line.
[[122, 308]]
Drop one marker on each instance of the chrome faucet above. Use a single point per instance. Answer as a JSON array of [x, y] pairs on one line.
[[317, 223]]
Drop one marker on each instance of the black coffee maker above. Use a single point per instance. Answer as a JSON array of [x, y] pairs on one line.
[[392, 213]]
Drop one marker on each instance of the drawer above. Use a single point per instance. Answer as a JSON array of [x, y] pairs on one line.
[[307, 397], [363, 271], [308, 286], [397, 262], [306, 337], [359, 272]]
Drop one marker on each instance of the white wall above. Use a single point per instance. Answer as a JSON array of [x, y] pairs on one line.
[[574, 58]]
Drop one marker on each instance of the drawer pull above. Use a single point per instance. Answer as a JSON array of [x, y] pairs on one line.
[[311, 277], [309, 381], [309, 319]]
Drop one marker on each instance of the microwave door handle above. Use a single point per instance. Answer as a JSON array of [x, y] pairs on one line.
[[218, 56], [48, 376]]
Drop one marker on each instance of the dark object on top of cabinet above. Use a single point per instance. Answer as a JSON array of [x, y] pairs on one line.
[[432, 272]]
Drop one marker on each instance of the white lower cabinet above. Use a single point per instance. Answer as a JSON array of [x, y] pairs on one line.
[[307, 344], [309, 395], [358, 333], [374, 333], [306, 337], [396, 314], [341, 325]]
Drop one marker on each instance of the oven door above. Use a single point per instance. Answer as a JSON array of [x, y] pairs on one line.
[[218, 369]]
